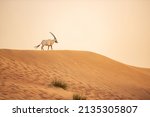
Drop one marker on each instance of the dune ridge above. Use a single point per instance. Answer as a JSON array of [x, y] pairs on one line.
[[26, 74]]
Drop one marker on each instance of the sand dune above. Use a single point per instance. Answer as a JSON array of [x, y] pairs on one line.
[[26, 74]]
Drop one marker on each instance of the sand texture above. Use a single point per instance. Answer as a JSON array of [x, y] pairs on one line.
[[27, 74]]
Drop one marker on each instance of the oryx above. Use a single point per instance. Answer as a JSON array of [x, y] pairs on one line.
[[48, 42]]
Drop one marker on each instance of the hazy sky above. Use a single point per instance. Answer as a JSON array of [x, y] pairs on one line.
[[119, 29]]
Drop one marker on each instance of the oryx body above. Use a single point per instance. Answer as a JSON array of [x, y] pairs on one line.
[[48, 42]]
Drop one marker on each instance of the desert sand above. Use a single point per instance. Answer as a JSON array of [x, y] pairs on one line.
[[27, 74]]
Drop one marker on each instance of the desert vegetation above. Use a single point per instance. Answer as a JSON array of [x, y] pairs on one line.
[[59, 83], [78, 97]]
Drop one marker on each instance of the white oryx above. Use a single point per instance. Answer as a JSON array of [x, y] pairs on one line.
[[48, 42]]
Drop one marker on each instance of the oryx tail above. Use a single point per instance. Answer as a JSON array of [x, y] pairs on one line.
[[37, 46]]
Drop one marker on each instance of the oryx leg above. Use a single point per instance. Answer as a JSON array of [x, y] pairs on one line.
[[48, 48], [42, 47], [51, 47]]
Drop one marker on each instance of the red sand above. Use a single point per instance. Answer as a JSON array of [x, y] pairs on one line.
[[26, 74]]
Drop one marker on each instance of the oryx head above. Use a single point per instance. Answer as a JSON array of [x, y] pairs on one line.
[[54, 37]]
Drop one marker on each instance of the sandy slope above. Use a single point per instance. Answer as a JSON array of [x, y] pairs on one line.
[[27, 75]]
